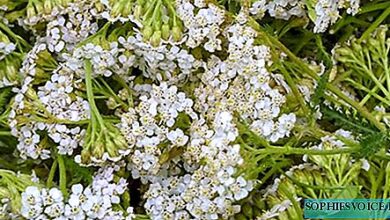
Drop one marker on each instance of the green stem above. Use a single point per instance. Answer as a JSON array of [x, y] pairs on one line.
[[172, 11], [156, 12], [301, 151], [13, 35], [374, 25], [5, 133], [368, 70], [373, 7], [62, 168], [378, 178], [387, 184], [347, 21], [369, 93], [52, 172], [90, 96], [150, 9], [295, 91], [112, 93]]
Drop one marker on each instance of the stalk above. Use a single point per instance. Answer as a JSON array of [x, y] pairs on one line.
[[52, 172], [62, 168]]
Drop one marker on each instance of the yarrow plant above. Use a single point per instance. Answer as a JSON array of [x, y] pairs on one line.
[[191, 109]]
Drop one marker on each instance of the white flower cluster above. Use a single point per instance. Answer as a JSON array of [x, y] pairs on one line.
[[242, 83], [102, 59], [284, 9], [38, 12], [179, 144], [67, 139], [71, 26], [166, 62], [325, 12], [56, 96], [211, 190], [203, 22], [92, 202], [55, 99], [150, 124]]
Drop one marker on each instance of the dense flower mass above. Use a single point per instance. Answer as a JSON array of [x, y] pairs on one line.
[[92, 202], [191, 109]]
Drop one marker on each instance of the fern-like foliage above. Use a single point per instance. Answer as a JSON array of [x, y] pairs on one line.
[[371, 140], [372, 143], [347, 120]]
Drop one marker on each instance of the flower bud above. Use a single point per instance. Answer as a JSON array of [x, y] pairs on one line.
[[342, 51], [65, 3], [304, 177], [126, 198], [137, 11], [176, 33], [99, 6], [165, 31], [120, 142], [85, 156], [156, 38], [111, 103], [31, 94], [374, 43], [381, 35], [356, 46], [343, 59], [47, 6], [147, 32], [318, 178], [290, 187], [98, 149], [40, 73], [111, 148]]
